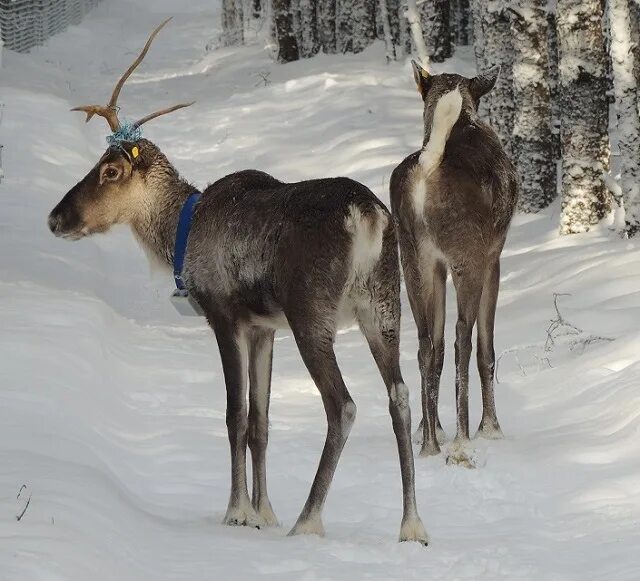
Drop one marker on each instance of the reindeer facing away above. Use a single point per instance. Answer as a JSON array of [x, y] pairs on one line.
[[453, 201], [264, 254]]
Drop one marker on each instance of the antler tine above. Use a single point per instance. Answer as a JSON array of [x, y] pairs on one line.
[[110, 110], [161, 112], [109, 114], [127, 73]]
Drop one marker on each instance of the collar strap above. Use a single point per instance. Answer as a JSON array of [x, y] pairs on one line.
[[182, 237]]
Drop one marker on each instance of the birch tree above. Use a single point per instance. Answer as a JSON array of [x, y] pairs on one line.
[[476, 13], [460, 21], [434, 18], [532, 143], [232, 22], [554, 83], [326, 24], [626, 93], [634, 8], [356, 25], [307, 37], [284, 31], [584, 114], [413, 17], [497, 49], [386, 28]]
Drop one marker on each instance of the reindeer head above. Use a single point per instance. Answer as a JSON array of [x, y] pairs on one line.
[[432, 87], [115, 190]]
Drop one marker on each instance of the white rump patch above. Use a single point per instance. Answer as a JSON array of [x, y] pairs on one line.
[[418, 192], [367, 232], [446, 114]]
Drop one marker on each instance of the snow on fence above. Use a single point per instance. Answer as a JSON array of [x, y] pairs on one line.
[[28, 23]]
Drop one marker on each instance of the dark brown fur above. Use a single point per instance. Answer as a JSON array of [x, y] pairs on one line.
[[469, 199]]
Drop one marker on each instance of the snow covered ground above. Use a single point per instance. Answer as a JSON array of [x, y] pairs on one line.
[[112, 407]]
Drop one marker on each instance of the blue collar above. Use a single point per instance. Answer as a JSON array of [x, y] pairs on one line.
[[182, 237]]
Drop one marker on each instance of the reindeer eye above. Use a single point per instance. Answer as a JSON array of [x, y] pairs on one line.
[[111, 173]]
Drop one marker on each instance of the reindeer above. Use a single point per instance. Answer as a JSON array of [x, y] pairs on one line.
[[453, 201], [262, 254]]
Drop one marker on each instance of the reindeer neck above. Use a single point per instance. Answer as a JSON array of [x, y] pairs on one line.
[[155, 229]]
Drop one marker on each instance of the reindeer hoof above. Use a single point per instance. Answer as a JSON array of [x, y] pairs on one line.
[[418, 435], [489, 431], [413, 530], [459, 455], [309, 526], [269, 518], [242, 516], [429, 449]]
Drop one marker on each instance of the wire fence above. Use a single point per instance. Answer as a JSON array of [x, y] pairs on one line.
[[28, 23]]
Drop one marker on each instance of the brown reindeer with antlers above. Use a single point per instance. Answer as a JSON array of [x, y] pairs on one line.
[[264, 254]]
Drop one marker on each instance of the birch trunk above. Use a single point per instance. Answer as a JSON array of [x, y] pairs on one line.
[[285, 33], [326, 18], [532, 130], [386, 28], [308, 38], [413, 17], [498, 50], [436, 31], [626, 93], [584, 114], [232, 22]]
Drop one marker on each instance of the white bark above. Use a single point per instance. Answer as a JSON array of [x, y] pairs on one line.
[[413, 16], [584, 114], [532, 130], [386, 27], [326, 22], [232, 22], [355, 23], [498, 50], [436, 31], [308, 28], [626, 93]]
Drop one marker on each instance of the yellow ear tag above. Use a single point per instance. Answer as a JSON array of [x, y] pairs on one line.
[[135, 152]]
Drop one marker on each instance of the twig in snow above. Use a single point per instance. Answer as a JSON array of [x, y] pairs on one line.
[[26, 506], [264, 79], [560, 327], [514, 350]]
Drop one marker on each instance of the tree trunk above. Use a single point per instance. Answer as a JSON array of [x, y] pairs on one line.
[[498, 50], [635, 38], [285, 33], [460, 21], [584, 114], [256, 8], [434, 18], [626, 92], [308, 29], [356, 25], [532, 130], [232, 22], [413, 17], [326, 18], [476, 13], [386, 27], [554, 82], [404, 30]]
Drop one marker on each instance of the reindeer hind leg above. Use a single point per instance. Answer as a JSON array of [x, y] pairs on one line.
[[260, 362], [378, 315], [489, 427], [316, 349]]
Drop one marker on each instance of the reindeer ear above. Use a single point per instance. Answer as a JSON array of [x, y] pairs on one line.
[[422, 78], [484, 82]]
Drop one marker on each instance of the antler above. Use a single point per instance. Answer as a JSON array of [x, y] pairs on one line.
[[161, 112], [110, 110]]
